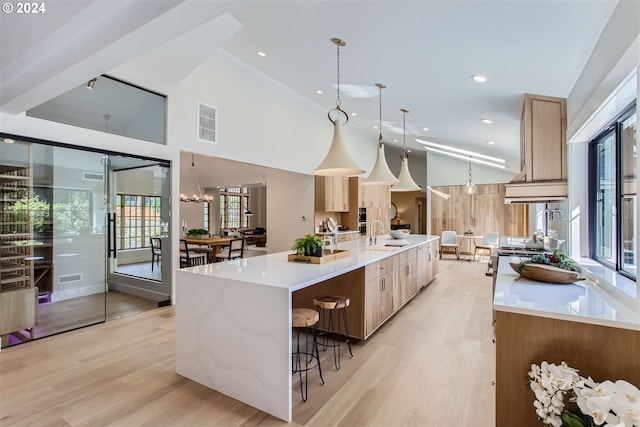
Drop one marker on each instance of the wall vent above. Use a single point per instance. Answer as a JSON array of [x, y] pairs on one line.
[[207, 123], [70, 278], [90, 176]]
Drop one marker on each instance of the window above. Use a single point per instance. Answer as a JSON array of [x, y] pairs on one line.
[[613, 159], [110, 106], [233, 204], [137, 219], [205, 213]]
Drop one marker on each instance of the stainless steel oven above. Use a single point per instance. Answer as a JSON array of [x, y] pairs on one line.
[[362, 221]]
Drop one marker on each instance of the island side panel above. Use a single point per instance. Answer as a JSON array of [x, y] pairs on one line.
[[235, 337], [601, 352], [351, 285]]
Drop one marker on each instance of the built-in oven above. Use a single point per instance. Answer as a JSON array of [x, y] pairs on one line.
[[362, 221]]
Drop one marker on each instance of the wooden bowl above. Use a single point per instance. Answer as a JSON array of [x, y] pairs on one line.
[[547, 273]]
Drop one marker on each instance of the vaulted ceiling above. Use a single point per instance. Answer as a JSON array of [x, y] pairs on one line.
[[425, 52]]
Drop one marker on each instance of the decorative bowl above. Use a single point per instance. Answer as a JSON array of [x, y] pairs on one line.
[[547, 273], [400, 234]]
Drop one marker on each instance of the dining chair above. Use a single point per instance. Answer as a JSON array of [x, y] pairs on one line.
[[234, 250], [188, 258], [156, 251], [448, 241], [489, 241]]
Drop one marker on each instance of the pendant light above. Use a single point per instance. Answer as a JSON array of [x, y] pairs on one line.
[[197, 198], [338, 161], [470, 188], [381, 174], [406, 182]]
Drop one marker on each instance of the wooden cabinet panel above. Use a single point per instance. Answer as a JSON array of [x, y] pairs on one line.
[[522, 340], [543, 133], [332, 193]]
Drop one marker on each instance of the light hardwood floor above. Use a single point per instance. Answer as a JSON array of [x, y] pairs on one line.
[[430, 365]]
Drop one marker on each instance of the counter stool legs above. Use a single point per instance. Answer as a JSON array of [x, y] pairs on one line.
[[327, 305], [307, 319]]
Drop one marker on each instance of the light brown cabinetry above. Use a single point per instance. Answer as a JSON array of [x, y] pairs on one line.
[[373, 196], [543, 142], [379, 278], [332, 193], [427, 263], [405, 281], [18, 295], [522, 340]]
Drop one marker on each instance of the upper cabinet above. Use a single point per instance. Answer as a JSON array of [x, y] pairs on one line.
[[373, 196], [543, 152], [543, 142], [332, 193]]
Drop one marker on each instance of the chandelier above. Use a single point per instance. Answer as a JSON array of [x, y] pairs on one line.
[[196, 198]]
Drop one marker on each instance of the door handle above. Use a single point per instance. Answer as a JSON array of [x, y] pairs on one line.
[[111, 235]]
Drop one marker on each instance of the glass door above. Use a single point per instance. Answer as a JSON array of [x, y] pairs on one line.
[[63, 264], [138, 218]]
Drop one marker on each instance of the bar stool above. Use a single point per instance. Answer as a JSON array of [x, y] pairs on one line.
[[305, 318], [327, 305]]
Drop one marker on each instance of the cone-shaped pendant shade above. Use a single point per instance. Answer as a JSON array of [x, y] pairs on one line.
[[381, 174], [338, 160], [406, 182]]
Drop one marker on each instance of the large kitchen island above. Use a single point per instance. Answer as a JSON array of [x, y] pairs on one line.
[[233, 319]]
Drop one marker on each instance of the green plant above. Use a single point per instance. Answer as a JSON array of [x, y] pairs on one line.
[[307, 245], [197, 232], [556, 259]]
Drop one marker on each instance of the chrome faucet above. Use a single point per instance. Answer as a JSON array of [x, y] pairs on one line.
[[373, 240]]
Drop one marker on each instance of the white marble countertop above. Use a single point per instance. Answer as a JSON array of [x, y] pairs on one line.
[[584, 301], [275, 270]]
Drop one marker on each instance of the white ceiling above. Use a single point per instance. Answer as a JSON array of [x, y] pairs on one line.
[[423, 51]]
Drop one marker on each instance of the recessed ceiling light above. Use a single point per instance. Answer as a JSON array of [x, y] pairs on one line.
[[319, 92], [395, 140], [8, 141], [490, 142], [354, 114], [479, 78], [375, 126], [408, 150], [425, 129], [487, 121], [260, 53]]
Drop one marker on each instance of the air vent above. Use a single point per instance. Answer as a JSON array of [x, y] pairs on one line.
[[70, 278], [89, 176], [207, 123]]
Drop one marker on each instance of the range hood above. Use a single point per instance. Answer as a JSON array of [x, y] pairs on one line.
[[535, 191], [543, 151]]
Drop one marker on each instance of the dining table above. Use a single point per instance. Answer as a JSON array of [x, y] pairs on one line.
[[216, 243], [469, 242]]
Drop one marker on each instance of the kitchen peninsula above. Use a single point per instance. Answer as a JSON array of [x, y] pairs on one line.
[[591, 325], [233, 319]]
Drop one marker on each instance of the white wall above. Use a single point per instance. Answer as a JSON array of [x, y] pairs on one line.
[[594, 100], [444, 170]]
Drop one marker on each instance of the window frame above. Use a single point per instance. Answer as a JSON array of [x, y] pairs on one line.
[[243, 194], [120, 218], [614, 128]]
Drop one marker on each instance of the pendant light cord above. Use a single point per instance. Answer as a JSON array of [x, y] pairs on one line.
[[338, 75], [404, 133], [469, 173]]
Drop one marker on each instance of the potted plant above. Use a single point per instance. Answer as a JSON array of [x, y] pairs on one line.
[[309, 245], [197, 232]]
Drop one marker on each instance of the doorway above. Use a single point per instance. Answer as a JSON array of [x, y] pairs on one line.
[[138, 255]]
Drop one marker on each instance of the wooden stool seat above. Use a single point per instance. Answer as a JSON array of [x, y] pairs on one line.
[[331, 302], [338, 330], [304, 317]]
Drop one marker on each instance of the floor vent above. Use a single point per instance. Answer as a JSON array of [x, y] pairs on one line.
[[70, 278], [89, 176], [207, 123]]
